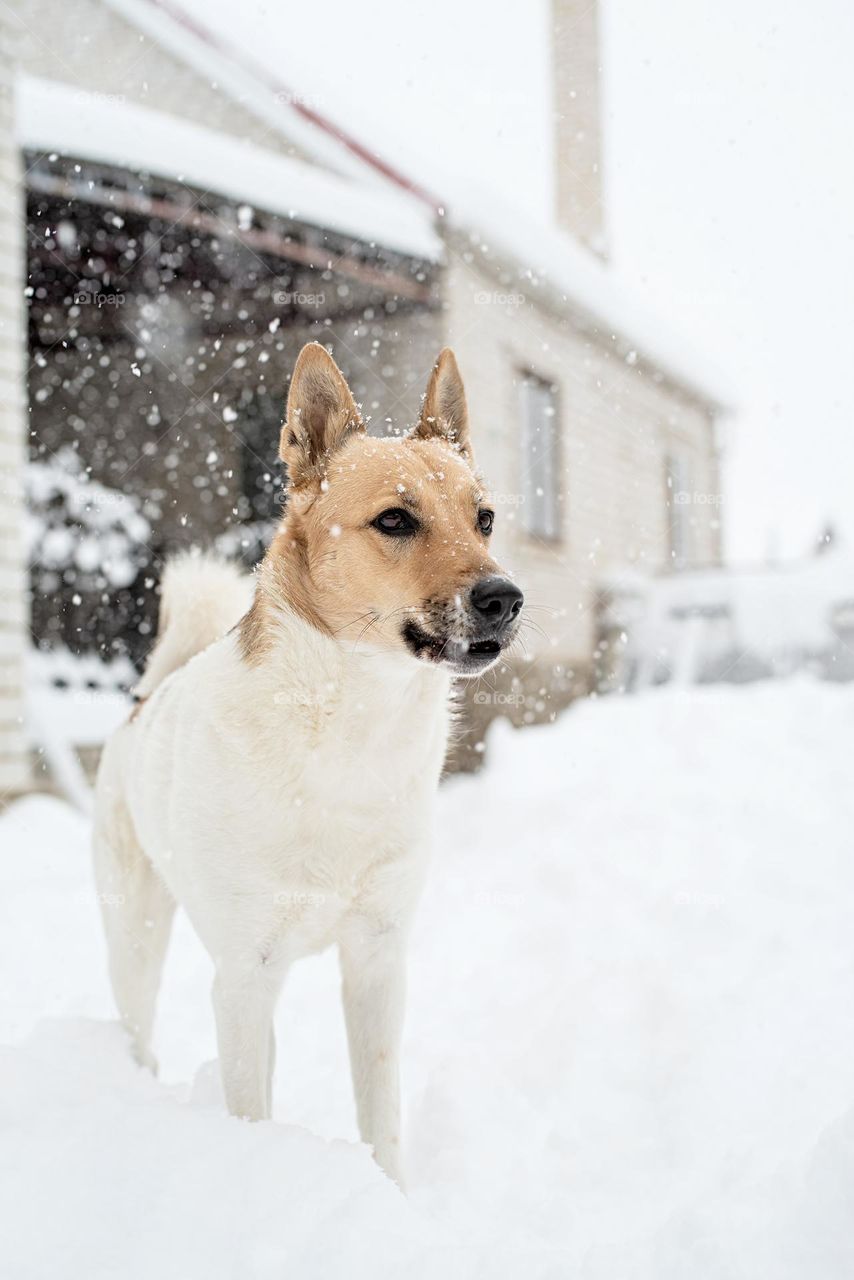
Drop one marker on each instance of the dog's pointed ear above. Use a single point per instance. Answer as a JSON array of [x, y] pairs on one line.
[[444, 413], [321, 415]]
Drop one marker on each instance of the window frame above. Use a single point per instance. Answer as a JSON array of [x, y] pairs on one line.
[[678, 480], [527, 377]]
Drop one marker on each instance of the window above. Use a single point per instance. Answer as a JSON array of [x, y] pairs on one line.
[[678, 498], [540, 487]]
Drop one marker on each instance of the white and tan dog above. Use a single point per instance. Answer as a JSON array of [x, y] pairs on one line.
[[277, 778]]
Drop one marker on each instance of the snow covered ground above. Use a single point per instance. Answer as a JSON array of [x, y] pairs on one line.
[[629, 1052]]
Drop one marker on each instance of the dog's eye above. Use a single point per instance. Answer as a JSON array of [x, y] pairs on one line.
[[485, 520], [396, 522]]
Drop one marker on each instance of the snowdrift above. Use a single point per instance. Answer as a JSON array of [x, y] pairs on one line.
[[629, 1052]]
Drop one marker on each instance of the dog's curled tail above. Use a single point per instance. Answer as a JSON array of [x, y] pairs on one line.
[[202, 596]]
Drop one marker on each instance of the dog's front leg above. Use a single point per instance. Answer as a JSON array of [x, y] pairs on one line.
[[244, 1003], [373, 985]]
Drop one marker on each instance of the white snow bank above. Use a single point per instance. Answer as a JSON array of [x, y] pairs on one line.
[[630, 1047], [143, 1180]]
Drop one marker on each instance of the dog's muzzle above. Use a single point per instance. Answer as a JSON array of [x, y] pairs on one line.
[[469, 639]]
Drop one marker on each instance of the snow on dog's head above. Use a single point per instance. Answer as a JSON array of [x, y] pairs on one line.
[[385, 541]]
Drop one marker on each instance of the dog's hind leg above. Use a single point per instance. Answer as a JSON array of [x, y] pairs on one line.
[[137, 910]]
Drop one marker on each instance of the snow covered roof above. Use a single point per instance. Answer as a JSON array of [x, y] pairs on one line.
[[356, 192], [266, 96], [549, 260], [52, 116], [544, 254]]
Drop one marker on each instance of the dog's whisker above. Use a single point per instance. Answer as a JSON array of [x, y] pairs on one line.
[[533, 626], [375, 620], [352, 623], [541, 608]]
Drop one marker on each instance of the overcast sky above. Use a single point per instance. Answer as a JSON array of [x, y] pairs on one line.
[[729, 179]]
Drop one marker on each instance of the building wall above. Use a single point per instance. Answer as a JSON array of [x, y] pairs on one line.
[[13, 766], [618, 423]]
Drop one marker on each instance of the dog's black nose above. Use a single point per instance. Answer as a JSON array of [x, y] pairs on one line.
[[497, 601]]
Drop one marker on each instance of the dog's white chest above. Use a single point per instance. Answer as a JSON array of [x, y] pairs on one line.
[[367, 776], [315, 798]]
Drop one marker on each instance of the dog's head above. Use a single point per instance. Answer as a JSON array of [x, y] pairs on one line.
[[385, 543]]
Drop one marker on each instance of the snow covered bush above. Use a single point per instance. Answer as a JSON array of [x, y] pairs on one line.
[[93, 562]]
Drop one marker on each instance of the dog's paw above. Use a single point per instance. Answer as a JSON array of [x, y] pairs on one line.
[[387, 1156]]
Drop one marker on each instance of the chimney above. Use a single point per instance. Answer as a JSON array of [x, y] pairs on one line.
[[576, 73]]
